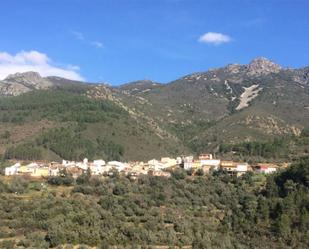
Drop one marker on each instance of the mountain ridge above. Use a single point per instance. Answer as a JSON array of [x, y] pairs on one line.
[[257, 66], [197, 112]]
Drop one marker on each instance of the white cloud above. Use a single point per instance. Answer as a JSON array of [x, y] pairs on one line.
[[97, 44], [25, 61], [214, 38]]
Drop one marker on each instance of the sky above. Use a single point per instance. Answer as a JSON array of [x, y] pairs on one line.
[[119, 41]]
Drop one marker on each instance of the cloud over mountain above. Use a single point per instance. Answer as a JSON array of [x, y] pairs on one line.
[[25, 61], [214, 38]]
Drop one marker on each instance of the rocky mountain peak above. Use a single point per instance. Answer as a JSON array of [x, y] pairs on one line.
[[28, 76], [261, 65], [32, 80], [233, 68], [18, 83]]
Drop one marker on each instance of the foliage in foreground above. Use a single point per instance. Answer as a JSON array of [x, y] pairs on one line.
[[218, 211]]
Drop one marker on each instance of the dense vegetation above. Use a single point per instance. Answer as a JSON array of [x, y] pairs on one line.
[[193, 114], [217, 211], [272, 149], [65, 122], [78, 126], [286, 148], [68, 106], [63, 104], [68, 143], [26, 151]]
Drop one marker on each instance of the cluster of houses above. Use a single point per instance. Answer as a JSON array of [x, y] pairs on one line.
[[162, 167], [206, 162]]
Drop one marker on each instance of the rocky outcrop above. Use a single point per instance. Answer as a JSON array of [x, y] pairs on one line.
[[137, 87], [233, 68], [301, 75], [270, 125], [11, 89], [262, 66], [16, 84]]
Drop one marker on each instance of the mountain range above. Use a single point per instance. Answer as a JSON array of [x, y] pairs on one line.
[[196, 113]]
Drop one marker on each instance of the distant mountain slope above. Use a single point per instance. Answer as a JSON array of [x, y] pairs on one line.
[[66, 123], [59, 81], [139, 87], [235, 103], [19, 83], [197, 112], [220, 93]]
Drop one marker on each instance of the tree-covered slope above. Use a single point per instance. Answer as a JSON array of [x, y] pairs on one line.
[[65, 123], [197, 113], [215, 211]]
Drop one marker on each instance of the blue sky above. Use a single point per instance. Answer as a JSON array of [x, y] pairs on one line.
[[118, 41]]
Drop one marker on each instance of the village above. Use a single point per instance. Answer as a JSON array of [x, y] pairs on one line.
[[163, 167]]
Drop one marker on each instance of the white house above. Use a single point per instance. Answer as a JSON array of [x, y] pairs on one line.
[[168, 162], [54, 171], [99, 162], [188, 162], [31, 166], [242, 167], [156, 165], [12, 170], [98, 167], [116, 165], [66, 163], [266, 168], [215, 163]]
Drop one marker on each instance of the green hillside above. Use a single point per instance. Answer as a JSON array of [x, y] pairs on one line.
[[258, 102], [65, 123], [206, 109], [217, 211]]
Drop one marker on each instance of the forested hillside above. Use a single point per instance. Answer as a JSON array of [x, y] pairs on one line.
[[218, 111], [66, 123], [232, 104], [215, 211]]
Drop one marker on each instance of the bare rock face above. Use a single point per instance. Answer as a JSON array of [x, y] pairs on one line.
[[233, 68], [16, 84], [262, 66], [29, 79], [8, 89], [302, 76]]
